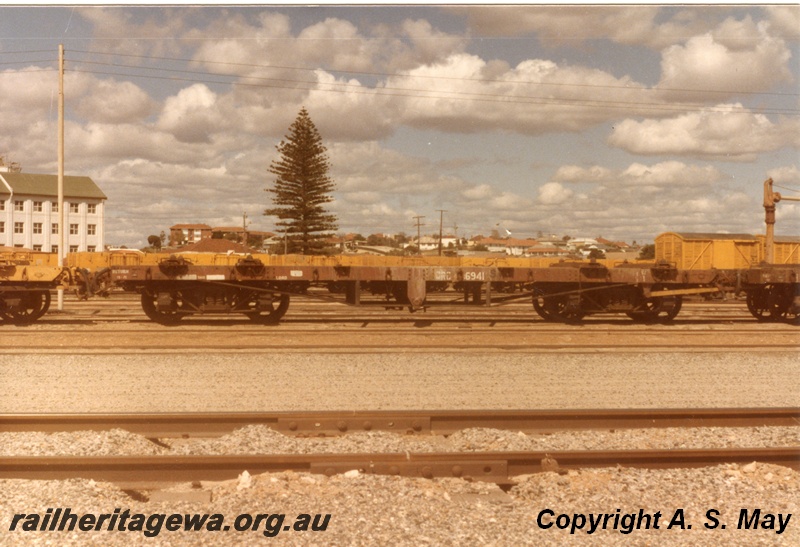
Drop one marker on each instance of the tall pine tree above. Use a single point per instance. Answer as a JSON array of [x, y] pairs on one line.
[[302, 188]]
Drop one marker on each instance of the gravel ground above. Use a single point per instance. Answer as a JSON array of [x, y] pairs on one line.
[[260, 439], [379, 510], [307, 381], [382, 510]]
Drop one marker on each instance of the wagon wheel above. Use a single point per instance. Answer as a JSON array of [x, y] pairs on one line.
[[768, 303], [273, 313], [558, 309], [539, 304], [45, 300], [32, 305], [659, 308], [164, 317]]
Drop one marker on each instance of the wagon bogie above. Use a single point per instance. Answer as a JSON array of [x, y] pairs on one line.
[[267, 308], [569, 302], [771, 302], [657, 308], [168, 303]]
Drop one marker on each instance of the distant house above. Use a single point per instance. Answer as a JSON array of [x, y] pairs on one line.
[[510, 246], [240, 234], [426, 243], [542, 251], [613, 244], [184, 234], [29, 212]]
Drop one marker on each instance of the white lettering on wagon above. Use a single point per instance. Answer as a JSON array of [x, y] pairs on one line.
[[474, 276], [296, 273], [442, 275], [215, 277]]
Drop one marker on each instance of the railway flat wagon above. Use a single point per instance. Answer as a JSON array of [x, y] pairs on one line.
[[26, 279], [260, 286]]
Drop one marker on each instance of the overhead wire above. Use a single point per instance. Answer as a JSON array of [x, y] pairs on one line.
[[392, 91], [408, 92], [432, 77], [795, 190]]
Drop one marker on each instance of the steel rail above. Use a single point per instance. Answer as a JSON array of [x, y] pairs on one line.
[[438, 422], [149, 472], [352, 349]]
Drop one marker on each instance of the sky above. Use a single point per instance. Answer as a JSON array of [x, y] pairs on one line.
[[620, 121]]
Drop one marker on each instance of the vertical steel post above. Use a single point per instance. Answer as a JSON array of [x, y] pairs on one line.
[[61, 167], [770, 198]]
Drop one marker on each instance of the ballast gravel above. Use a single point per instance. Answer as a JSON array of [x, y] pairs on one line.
[[260, 439], [384, 510]]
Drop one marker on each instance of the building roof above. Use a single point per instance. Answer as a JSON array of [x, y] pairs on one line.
[[700, 235], [47, 185], [547, 249], [190, 227], [508, 242]]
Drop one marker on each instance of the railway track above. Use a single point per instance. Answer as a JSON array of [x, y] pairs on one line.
[[442, 422], [405, 340], [119, 327], [126, 307], [153, 472]]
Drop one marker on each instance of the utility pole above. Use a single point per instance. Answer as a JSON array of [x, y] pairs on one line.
[[441, 217], [770, 199], [61, 168], [244, 228], [419, 242]]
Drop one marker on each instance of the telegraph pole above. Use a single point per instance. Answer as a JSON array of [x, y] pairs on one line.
[[61, 168], [441, 217], [419, 242]]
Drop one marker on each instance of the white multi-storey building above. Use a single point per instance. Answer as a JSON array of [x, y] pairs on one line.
[[29, 212]]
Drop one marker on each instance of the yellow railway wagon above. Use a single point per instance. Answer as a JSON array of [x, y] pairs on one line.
[[24, 256], [131, 257], [701, 251], [787, 249]]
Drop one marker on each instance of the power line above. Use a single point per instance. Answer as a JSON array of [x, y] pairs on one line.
[[338, 87], [451, 95], [432, 77], [392, 75], [786, 188]]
